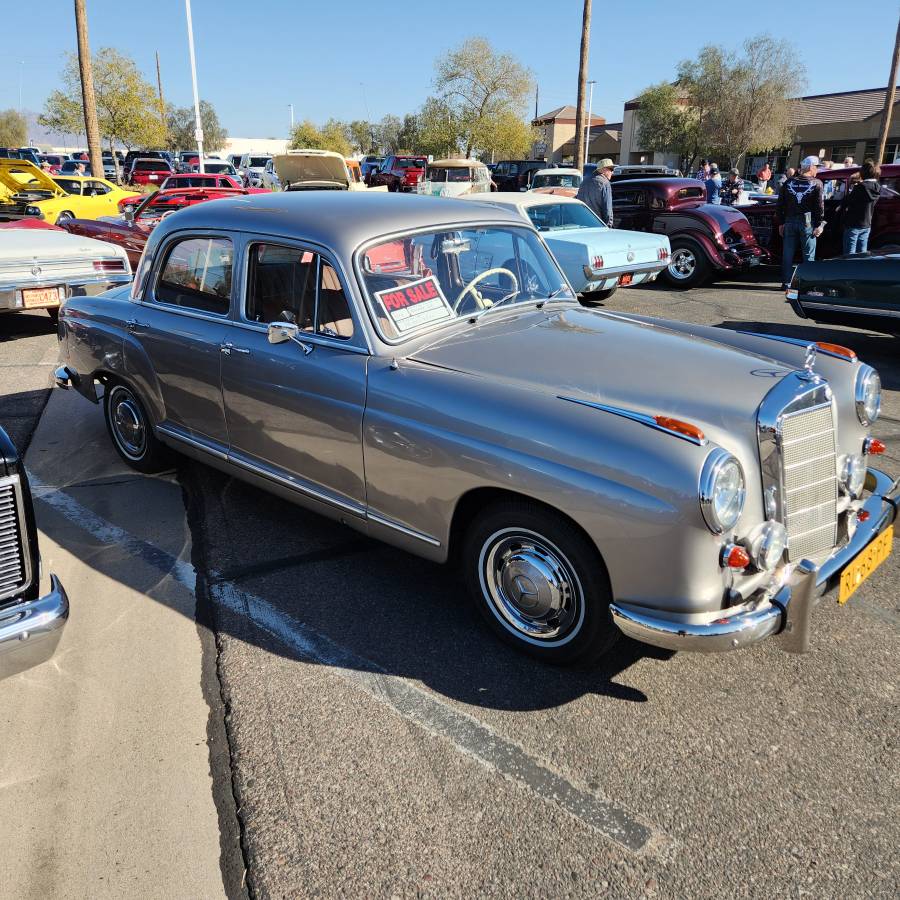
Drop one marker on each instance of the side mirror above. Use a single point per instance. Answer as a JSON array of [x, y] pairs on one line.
[[279, 332], [128, 214]]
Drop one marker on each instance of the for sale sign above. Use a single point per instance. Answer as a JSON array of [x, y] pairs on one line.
[[416, 304]]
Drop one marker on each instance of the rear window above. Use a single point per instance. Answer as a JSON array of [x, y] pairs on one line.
[[407, 163], [150, 165], [691, 193], [258, 162]]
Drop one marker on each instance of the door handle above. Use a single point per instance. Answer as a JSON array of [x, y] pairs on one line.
[[131, 324], [227, 347]]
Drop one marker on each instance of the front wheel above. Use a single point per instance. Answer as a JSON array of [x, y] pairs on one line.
[[64, 216], [687, 267], [539, 583], [131, 431]]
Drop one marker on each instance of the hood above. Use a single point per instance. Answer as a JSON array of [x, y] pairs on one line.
[[23, 167], [316, 166], [590, 355]]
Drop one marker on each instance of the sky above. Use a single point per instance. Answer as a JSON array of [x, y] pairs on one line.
[[352, 60]]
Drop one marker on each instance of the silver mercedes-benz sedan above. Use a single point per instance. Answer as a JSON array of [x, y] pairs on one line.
[[421, 370]]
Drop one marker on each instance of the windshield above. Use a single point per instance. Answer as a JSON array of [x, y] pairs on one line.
[[570, 181], [258, 162], [454, 174], [562, 216], [405, 163], [441, 276]]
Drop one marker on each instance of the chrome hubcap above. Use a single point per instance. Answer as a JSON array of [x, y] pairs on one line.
[[682, 264], [531, 587], [128, 423]]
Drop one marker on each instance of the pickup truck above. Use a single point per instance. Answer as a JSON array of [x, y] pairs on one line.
[[399, 173]]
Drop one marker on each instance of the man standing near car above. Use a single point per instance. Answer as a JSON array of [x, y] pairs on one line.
[[801, 216], [596, 192]]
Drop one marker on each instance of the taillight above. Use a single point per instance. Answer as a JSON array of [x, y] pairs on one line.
[[109, 265], [662, 253], [597, 262]]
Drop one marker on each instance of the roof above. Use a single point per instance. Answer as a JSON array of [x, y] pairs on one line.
[[457, 163], [566, 112], [845, 106], [341, 220], [520, 198], [559, 170]]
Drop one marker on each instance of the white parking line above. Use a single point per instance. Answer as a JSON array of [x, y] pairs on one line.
[[467, 734]]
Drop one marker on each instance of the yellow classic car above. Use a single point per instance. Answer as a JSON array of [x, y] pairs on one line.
[[30, 192]]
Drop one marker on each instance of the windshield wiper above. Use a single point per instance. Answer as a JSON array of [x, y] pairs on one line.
[[476, 316]]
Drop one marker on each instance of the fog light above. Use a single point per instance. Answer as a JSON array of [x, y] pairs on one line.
[[768, 546], [853, 474]]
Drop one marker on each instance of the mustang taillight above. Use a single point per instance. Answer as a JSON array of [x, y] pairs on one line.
[[837, 349], [662, 253], [679, 427], [109, 265], [597, 262]]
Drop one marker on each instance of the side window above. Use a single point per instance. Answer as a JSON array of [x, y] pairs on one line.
[[626, 199], [197, 275], [836, 188], [95, 188], [286, 284]]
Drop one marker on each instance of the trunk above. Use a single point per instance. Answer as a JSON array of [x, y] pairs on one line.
[[91, 127], [582, 85]]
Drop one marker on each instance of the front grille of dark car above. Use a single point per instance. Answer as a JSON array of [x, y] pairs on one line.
[[14, 565]]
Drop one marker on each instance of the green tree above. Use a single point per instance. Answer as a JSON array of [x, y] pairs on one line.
[[438, 136], [181, 123], [306, 136], [388, 131], [409, 137], [670, 123], [361, 135], [334, 137], [510, 137], [13, 128], [480, 86], [126, 104]]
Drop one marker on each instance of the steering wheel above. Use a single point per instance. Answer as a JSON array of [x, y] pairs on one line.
[[480, 277]]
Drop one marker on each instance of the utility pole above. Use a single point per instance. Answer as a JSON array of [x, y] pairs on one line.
[[590, 121], [537, 95], [198, 124], [582, 84], [162, 103], [889, 100], [91, 128]]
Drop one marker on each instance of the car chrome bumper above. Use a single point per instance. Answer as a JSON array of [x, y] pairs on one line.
[[785, 614], [30, 632], [75, 286]]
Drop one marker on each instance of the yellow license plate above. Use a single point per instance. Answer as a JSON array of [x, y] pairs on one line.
[[866, 563], [40, 297]]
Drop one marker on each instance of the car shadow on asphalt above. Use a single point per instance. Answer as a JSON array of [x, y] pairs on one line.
[[385, 609], [25, 324]]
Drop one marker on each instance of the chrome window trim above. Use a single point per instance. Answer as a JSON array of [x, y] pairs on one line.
[[430, 229], [717, 458], [796, 392], [864, 373], [16, 482], [352, 343], [642, 418]]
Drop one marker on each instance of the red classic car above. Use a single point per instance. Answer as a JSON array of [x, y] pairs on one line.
[[399, 173], [707, 239], [148, 171], [885, 236], [133, 228]]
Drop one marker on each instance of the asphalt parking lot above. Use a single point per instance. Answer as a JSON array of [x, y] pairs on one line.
[[382, 743]]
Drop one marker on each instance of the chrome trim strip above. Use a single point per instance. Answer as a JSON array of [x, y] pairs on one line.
[[646, 268], [860, 311], [643, 419], [308, 336], [193, 442], [396, 526], [15, 482]]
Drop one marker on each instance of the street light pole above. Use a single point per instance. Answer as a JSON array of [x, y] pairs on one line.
[[198, 124], [291, 108], [587, 131]]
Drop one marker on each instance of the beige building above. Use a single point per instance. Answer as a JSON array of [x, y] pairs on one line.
[[557, 140]]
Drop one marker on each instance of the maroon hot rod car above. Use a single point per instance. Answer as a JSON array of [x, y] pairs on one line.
[[885, 235], [707, 239]]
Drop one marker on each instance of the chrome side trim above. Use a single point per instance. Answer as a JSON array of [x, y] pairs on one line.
[[856, 311], [396, 526], [644, 419], [168, 431], [644, 268]]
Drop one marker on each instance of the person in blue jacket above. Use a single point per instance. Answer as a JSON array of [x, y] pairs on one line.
[[714, 185]]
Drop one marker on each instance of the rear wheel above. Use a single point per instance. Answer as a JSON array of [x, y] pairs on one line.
[[131, 430], [538, 582], [687, 267]]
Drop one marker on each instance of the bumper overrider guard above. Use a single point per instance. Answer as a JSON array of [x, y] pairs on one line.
[[785, 614], [29, 632]]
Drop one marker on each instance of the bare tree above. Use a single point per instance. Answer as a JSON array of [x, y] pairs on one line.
[[582, 85], [91, 128]]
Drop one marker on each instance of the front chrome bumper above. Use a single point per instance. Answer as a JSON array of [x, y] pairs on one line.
[[785, 614], [29, 632]]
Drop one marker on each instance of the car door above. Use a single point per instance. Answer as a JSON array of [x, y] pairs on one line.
[[177, 332], [294, 410]]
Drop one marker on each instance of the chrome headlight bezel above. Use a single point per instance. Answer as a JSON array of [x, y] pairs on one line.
[[719, 466], [868, 395]]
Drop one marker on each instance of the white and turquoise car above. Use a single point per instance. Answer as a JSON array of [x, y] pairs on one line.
[[596, 259]]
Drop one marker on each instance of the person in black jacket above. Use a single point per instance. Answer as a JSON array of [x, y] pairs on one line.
[[858, 212], [801, 216], [596, 192]]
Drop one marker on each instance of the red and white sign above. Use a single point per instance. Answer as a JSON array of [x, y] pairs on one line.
[[413, 305]]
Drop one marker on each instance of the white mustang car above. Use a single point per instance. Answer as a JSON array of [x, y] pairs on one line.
[[596, 259]]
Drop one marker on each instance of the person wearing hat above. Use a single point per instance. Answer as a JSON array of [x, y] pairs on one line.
[[731, 190], [714, 185], [596, 192], [800, 214]]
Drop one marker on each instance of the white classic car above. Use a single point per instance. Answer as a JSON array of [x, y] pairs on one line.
[[42, 268], [596, 259], [316, 170], [455, 177], [564, 182]]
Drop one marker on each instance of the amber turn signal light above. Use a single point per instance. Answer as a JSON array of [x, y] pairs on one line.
[[874, 447], [734, 556], [837, 349], [679, 427]]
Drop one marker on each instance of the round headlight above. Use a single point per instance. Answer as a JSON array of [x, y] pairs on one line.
[[853, 474], [768, 546], [868, 395], [722, 491]]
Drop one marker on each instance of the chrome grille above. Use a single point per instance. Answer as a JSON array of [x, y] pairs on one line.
[[809, 481], [13, 554]]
